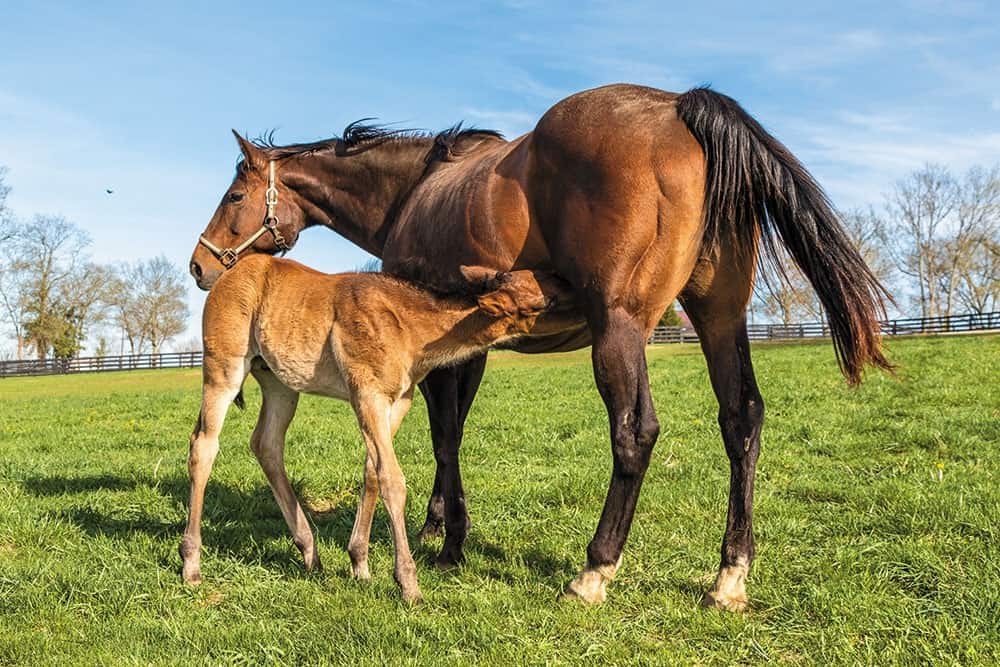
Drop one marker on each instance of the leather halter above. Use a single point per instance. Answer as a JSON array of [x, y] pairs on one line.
[[228, 256]]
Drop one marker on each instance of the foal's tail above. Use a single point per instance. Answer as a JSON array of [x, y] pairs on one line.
[[756, 187]]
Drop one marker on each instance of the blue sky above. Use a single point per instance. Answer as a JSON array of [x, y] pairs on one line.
[[139, 97]]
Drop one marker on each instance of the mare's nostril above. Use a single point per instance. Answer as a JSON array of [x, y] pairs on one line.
[[196, 270]]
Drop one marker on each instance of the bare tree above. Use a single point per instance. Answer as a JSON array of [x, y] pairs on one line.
[[978, 288], [167, 313], [43, 258], [4, 211], [919, 207], [147, 302], [966, 255], [787, 298]]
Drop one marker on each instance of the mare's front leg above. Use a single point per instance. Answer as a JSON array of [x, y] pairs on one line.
[[375, 418], [268, 445], [449, 393], [221, 383], [619, 358], [357, 546]]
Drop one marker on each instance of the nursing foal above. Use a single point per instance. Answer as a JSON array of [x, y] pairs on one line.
[[362, 337]]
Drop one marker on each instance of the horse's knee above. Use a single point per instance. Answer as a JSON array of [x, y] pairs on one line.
[[741, 422], [632, 447]]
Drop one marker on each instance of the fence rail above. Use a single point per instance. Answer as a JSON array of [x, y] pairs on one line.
[[131, 362], [902, 327]]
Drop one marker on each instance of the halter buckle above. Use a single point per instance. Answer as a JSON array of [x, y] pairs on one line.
[[228, 257]]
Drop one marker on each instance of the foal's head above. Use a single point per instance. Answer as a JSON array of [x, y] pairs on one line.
[[521, 297], [256, 214]]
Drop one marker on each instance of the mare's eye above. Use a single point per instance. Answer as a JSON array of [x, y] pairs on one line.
[[235, 197]]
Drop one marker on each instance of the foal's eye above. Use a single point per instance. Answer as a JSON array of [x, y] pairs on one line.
[[235, 197]]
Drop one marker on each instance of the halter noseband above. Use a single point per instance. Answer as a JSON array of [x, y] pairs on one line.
[[228, 256]]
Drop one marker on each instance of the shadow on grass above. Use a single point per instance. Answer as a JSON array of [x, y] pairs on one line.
[[247, 525], [244, 525]]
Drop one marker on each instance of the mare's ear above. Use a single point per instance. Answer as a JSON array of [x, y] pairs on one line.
[[480, 279], [251, 154]]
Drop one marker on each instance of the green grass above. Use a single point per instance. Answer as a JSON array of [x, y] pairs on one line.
[[864, 554]]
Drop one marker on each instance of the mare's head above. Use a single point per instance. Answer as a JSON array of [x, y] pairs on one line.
[[522, 297], [256, 215]]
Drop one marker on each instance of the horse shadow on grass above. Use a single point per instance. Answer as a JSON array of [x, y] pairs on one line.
[[243, 524]]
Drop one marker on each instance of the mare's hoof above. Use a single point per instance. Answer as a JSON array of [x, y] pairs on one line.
[[430, 531], [192, 578], [588, 589], [412, 598], [716, 600], [449, 558]]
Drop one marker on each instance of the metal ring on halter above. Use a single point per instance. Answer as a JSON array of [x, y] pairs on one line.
[[228, 256]]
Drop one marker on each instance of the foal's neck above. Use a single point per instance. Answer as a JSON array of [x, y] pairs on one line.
[[459, 330]]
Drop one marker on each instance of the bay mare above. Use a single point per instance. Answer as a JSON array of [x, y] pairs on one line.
[[365, 338], [637, 197]]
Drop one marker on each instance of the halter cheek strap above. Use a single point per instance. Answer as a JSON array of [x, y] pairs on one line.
[[228, 256]]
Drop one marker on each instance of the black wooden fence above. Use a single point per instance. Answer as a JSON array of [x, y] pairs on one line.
[[917, 325], [129, 362]]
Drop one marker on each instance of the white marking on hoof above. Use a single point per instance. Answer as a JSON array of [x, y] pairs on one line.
[[591, 584], [729, 590]]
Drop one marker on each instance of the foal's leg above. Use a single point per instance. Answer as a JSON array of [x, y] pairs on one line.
[[268, 445], [619, 358], [357, 547], [375, 418], [741, 415], [449, 393], [222, 381]]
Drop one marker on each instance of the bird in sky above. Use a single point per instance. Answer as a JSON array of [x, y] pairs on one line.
[[110, 191]]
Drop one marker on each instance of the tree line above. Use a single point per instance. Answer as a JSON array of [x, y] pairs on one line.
[[934, 243], [53, 297]]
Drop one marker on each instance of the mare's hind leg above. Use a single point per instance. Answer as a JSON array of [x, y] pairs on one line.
[[268, 445], [221, 384], [619, 358], [720, 319], [449, 393]]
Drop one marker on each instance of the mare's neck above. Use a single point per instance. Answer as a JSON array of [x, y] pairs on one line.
[[357, 192]]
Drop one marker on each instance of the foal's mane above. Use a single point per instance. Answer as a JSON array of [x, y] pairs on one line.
[[363, 135]]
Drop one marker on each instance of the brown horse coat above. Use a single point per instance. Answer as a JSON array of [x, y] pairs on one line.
[[365, 338], [636, 196]]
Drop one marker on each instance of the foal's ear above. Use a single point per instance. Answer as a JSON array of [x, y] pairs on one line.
[[480, 279], [251, 154]]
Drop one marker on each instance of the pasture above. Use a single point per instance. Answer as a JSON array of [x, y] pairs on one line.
[[877, 522]]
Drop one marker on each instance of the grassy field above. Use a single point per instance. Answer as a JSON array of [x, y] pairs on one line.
[[877, 521]]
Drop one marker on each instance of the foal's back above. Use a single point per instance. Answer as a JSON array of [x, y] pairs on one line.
[[304, 323]]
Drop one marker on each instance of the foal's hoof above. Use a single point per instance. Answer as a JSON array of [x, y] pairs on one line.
[[716, 600], [413, 597], [360, 571], [191, 577], [313, 565]]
